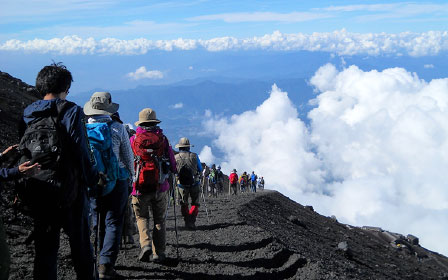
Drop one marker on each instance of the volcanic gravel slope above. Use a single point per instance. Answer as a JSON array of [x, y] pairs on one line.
[[258, 236]]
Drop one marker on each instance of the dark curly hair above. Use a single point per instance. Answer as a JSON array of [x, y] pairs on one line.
[[54, 78]]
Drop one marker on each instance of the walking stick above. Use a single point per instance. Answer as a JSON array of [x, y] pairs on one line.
[[206, 210], [229, 186], [97, 234], [175, 219]]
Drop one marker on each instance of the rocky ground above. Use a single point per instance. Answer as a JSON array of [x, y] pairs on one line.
[[259, 236], [249, 236]]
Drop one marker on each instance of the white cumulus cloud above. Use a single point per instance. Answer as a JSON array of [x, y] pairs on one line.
[[375, 153], [206, 155], [177, 105], [142, 73], [264, 141], [340, 42], [428, 66]]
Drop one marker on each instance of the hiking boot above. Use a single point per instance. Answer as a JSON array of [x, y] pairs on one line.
[[191, 226], [158, 258], [145, 254], [106, 271]]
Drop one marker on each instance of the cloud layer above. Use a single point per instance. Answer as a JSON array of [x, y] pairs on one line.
[[340, 42], [376, 152], [142, 73]]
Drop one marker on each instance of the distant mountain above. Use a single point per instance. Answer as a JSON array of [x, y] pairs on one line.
[[181, 106]]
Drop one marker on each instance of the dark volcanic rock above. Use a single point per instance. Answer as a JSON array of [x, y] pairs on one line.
[[15, 95], [249, 236]]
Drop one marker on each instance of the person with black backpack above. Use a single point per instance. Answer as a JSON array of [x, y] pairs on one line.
[[189, 169], [114, 158], [153, 163], [53, 134]]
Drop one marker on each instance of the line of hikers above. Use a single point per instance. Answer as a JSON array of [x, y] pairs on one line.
[[212, 181], [79, 168]]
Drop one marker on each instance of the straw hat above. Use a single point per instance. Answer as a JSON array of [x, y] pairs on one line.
[[100, 103], [184, 143], [147, 115]]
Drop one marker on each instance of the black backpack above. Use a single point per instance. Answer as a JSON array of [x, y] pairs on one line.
[[45, 141], [186, 170]]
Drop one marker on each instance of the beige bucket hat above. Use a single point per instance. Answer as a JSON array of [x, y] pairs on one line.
[[100, 103], [184, 143], [147, 115]]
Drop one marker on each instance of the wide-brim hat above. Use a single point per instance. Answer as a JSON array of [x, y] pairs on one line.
[[234, 170], [100, 103], [147, 115], [184, 143]]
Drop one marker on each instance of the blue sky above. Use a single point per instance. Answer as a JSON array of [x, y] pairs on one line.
[[202, 19]]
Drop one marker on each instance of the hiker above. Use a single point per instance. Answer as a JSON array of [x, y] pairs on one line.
[[24, 169], [57, 193], [261, 183], [128, 224], [253, 182], [109, 141], [233, 178], [189, 169], [204, 178], [153, 162], [219, 180], [212, 181], [243, 181]]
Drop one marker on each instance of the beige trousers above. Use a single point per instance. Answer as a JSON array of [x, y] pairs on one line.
[[157, 202]]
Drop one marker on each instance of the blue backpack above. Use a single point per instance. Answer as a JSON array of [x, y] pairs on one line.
[[253, 177], [100, 139]]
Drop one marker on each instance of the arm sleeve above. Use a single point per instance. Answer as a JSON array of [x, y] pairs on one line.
[[199, 164], [74, 120], [126, 154], [8, 174], [170, 153]]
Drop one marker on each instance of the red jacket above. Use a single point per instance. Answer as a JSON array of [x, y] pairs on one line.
[[233, 178]]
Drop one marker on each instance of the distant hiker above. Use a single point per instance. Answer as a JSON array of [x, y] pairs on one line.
[[204, 178], [233, 178], [212, 182], [55, 136], [113, 154], [244, 179], [219, 180], [24, 169], [253, 182], [189, 169], [261, 183], [153, 162]]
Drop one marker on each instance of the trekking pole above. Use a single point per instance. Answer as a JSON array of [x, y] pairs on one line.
[[206, 210], [229, 186], [97, 237], [175, 219]]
